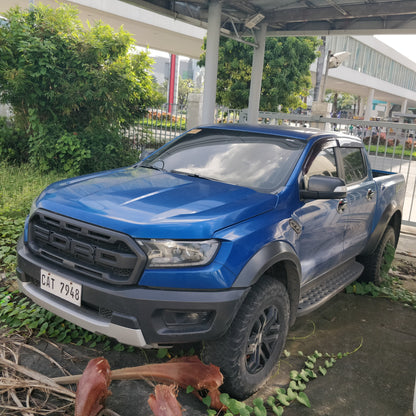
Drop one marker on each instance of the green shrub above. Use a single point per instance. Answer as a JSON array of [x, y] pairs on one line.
[[72, 90], [13, 143]]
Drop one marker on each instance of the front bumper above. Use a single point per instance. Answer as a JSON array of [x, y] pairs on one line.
[[134, 315]]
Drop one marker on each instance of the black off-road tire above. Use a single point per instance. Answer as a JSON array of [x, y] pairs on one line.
[[374, 263], [250, 349]]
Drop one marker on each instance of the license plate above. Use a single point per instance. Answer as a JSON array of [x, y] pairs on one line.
[[61, 287]]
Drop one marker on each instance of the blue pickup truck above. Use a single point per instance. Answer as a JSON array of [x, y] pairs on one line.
[[224, 235]]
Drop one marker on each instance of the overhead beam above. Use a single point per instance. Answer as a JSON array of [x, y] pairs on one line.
[[393, 26], [351, 11]]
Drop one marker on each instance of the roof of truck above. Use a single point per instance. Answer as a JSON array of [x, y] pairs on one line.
[[302, 133]]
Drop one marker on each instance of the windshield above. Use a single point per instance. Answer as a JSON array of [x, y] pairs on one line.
[[259, 161]]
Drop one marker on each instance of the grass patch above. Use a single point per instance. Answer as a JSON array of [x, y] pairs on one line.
[[166, 124], [396, 152], [19, 186]]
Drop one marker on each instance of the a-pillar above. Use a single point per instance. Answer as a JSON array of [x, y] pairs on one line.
[[369, 108], [211, 61], [256, 76]]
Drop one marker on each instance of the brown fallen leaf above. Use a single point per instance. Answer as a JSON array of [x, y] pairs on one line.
[[164, 402], [184, 371], [92, 389]]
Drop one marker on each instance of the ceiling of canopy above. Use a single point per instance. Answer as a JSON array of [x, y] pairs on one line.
[[297, 17]]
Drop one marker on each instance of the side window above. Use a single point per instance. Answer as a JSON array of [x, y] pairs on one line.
[[354, 167], [323, 164]]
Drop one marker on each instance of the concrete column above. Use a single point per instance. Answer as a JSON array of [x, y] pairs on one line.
[[194, 112], [361, 106], [320, 69], [321, 110], [387, 111], [257, 75], [211, 61], [369, 108], [404, 106]]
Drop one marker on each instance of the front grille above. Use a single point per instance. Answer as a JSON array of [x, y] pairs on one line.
[[86, 249]]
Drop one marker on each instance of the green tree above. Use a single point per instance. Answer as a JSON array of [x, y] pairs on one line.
[[342, 101], [185, 87], [160, 94], [286, 75], [72, 88]]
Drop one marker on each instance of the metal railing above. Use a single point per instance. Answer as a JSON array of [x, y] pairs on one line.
[[157, 127], [390, 146]]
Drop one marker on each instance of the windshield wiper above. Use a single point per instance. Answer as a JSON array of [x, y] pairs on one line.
[[184, 172], [158, 165], [193, 175]]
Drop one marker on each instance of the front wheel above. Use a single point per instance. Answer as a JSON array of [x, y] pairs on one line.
[[249, 350], [376, 265]]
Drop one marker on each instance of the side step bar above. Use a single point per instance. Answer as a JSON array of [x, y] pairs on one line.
[[324, 288]]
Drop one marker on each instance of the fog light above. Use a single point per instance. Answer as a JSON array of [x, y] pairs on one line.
[[187, 318]]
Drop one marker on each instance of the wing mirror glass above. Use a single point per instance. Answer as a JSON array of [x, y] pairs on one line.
[[324, 187]]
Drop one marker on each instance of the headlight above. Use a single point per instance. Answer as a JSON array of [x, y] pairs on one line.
[[175, 253]]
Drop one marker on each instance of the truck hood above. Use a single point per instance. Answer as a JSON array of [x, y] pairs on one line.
[[146, 203]]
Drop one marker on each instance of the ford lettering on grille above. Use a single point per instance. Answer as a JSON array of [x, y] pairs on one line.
[[86, 249]]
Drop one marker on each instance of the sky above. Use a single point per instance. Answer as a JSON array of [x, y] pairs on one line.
[[404, 44]]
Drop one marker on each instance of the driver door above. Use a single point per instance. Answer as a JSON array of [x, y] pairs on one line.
[[322, 222]]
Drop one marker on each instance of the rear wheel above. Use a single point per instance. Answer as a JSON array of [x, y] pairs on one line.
[[248, 352], [378, 263]]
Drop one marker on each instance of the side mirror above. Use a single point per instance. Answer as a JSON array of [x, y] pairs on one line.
[[324, 187]]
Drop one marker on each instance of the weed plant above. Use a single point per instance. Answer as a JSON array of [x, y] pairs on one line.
[[19, 186], [391, 287]]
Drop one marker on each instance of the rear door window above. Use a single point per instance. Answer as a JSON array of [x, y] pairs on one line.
[[355, 169]]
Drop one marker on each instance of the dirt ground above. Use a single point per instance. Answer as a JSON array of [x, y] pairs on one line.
[[377, 379]]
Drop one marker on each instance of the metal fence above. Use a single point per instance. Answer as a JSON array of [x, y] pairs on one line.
[[157, 127], [390, 146]]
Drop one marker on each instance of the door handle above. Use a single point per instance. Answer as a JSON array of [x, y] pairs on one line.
[[370, 194], [342, 204]]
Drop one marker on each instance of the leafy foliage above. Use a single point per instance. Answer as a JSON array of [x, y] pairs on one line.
[[13, 143], [18, 313], [10, 230], [391, 286], [18, 187], [286, 75], [71, 88], [315, 365]]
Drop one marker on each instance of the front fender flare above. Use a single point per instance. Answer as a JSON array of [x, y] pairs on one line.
[[268, 256]]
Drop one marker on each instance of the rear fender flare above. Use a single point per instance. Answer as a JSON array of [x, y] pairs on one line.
[[377, 234]]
